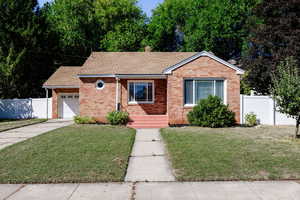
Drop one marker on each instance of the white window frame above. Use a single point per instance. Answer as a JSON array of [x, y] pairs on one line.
[[100, 81], [141, 102], [204, 79]]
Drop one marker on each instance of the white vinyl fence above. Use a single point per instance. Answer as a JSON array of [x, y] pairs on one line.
[[265, 109], [25, 108], [262, 106]]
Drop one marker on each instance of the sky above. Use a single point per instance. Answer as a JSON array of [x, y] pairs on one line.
[[146, 5]]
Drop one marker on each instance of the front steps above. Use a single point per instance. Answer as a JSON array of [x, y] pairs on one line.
[[148, 121]]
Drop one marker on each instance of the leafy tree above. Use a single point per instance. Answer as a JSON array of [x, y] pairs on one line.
[[25, 61], [274, 38], [123, 24], [286, 89], [196, 25], [99, 25]]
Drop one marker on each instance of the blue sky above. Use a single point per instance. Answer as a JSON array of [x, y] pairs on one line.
[[146, 5]]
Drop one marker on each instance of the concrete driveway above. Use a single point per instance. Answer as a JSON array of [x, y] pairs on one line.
[[264, 190], [20, 134]]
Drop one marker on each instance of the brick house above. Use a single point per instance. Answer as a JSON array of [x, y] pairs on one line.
[[155, 88]]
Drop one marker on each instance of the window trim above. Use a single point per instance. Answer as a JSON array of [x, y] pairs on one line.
[[140, 102], [204, 79], [100, 81]]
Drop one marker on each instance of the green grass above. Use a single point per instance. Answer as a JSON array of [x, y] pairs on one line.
[[77, 153], [7, 124], [265, 153]]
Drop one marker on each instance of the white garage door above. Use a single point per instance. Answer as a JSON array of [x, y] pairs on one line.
[[69, 105]]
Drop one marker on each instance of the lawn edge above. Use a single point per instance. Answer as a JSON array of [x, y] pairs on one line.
[[168, 155], [131, 147], [21, 126]]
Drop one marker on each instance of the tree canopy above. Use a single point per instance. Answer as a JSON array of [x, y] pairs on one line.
[[196, 25], [274, 38], [34, 41], [286, 89], [24, 49], [99, 25]]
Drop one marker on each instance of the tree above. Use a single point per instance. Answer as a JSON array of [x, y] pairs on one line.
[[25, 51], [99, 25], [286, 89], [196, 25], [274, 38]]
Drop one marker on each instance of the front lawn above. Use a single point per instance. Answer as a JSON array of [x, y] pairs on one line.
[[77, 153], [233, 153], [7, 124]]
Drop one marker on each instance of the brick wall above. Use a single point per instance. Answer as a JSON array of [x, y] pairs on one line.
[[55, 99], [94, 102], [203, 67], [158, 108]]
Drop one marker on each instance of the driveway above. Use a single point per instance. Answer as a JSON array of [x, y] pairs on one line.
[[20, 134], [264, 190]]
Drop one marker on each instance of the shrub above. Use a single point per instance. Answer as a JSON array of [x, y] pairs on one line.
[[118, 118], [84, 120], [211, 112], [251, 119]]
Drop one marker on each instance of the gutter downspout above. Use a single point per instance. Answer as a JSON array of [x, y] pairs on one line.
[[117, 94], [47, 103]]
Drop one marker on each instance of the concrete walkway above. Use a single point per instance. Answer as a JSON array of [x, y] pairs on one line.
[[148, 161], [20, 134], [280, 190]]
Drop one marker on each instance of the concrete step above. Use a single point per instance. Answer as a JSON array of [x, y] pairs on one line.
[[148, 121], [137, 117], [148, 126]]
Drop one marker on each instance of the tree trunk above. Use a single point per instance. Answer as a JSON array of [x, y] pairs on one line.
[[297, 127]]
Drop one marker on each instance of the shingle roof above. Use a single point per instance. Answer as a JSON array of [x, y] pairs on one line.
[[64, 76], [132, 62], [127, 63]]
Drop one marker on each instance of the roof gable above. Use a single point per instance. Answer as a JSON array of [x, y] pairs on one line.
[[170, 69]]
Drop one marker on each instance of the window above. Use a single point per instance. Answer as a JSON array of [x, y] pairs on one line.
[[141, 92], [195, 90], [100, 85]]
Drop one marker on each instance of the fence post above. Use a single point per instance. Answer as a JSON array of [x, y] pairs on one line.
[[242, 109], [274, 112], [47, 103]]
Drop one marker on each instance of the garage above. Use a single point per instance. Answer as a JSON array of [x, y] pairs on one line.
[[69, 105]]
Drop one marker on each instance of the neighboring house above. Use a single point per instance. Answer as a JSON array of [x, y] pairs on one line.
[[155, 88]]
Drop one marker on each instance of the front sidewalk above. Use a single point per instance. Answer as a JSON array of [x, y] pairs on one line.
[[264, 190], [13, 136], [148, 161]]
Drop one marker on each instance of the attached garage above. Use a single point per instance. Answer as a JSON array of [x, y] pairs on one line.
[[68, 105], [64, 84]]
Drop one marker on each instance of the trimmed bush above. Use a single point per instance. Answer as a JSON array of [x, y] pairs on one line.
[[84, 120], [251, 119], [211, 112], [117, 118]]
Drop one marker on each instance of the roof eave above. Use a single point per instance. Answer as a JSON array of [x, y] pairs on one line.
[[60, 86], [138, 76]]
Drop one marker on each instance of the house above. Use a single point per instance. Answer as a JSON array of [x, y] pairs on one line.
[[155, 88]]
